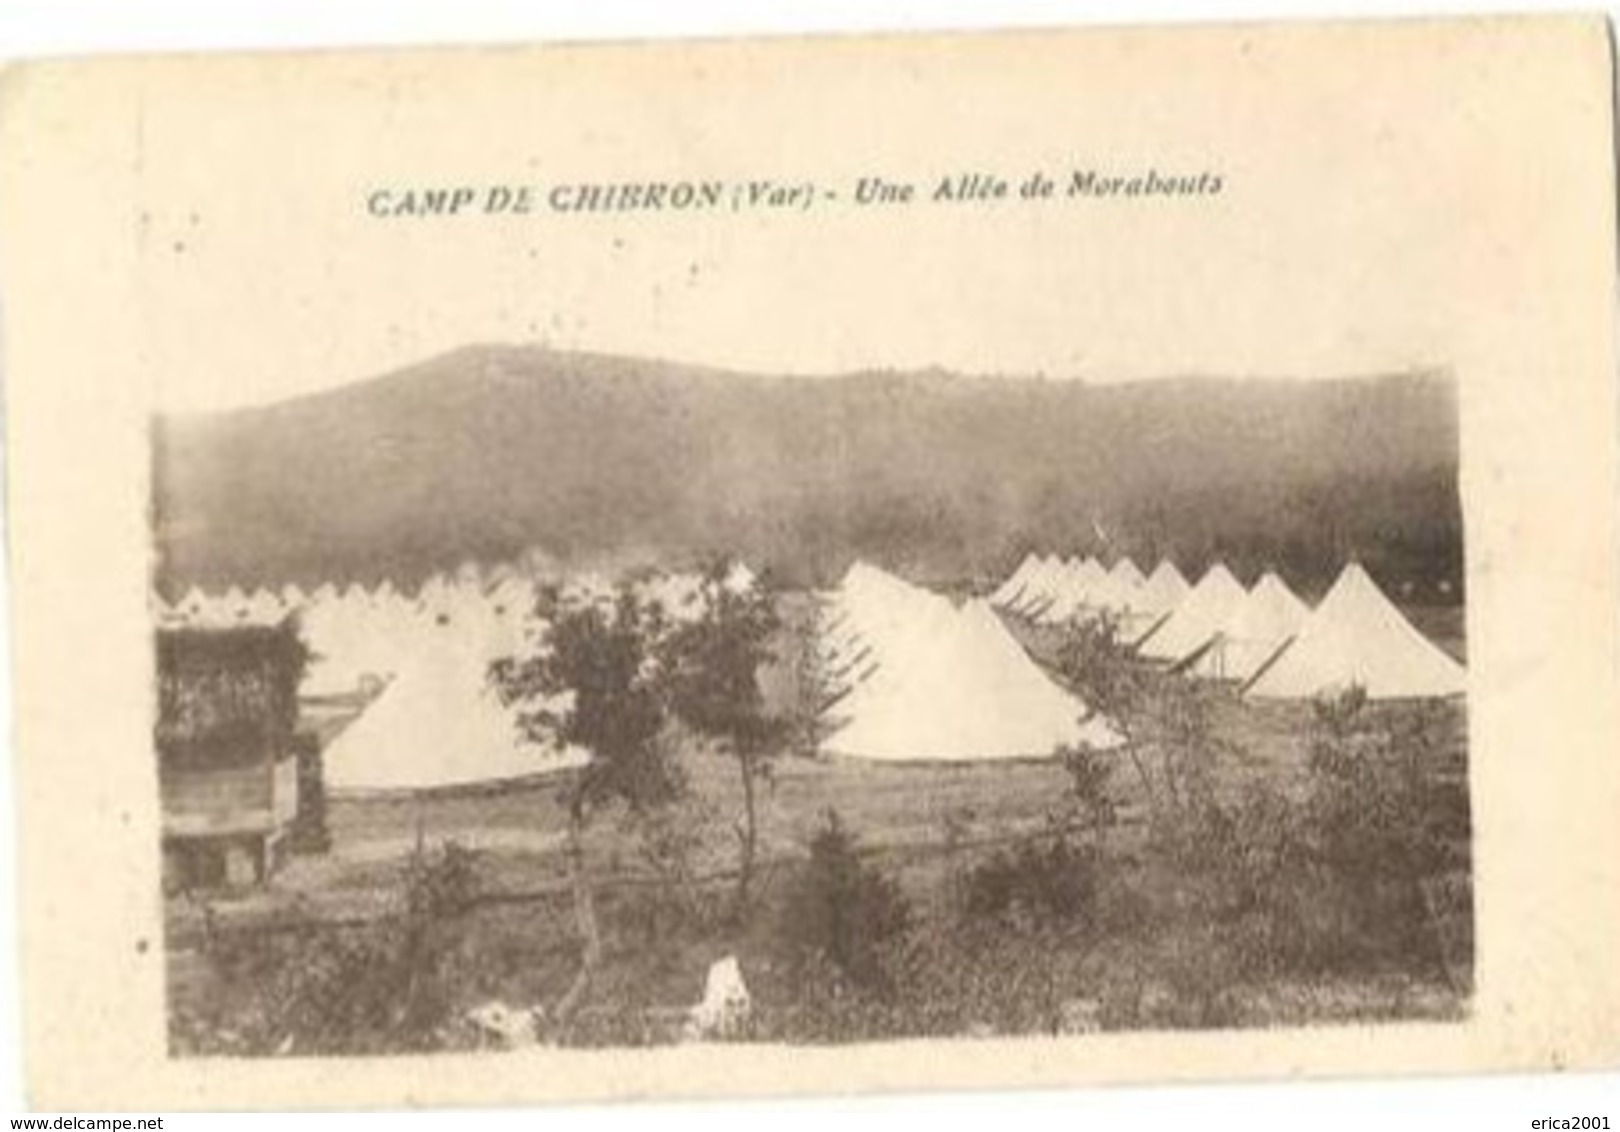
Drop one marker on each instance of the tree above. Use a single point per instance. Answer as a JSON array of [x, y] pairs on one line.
[[1090, 774], [592, 684], [712, 670], [1385, 820], [844, 913], [1094, 662], [1165, 724]]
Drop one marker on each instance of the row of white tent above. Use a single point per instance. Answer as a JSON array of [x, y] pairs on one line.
[[356, 633], [1266, 638], [1055, 591], [439, 595], [915, 677], [433, 720]]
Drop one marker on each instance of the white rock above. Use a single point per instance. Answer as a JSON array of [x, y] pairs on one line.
[[510, 1027], [726, 1004]]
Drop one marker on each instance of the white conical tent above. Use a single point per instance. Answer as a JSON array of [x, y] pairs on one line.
[[265, 607], [875, 609], [1052, 585], [926, 681], [234, 607], [162, 612], [1196, 620], [393, 626], [195, 607], [1029, 576], [1119, 590], [1164, 589], [438, 724], [515, 596], [386, 594], [1267, 619], [343, 647], [892, 643], [1094, 582], [1059, 592], [1010, 589], [1070, 719], [356, 599], [1358, 637], [846, 657], [434, 590], [1038, 591], [1127, 576], [438, 600]]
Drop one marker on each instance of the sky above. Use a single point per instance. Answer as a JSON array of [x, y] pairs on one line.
[[262, 273]]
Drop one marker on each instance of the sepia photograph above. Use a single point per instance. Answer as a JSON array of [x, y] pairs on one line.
[[532, 696]]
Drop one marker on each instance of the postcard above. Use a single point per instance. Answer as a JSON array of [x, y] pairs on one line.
[[725, 568]]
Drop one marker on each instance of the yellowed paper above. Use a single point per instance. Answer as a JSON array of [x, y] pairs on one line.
[[204, 241]]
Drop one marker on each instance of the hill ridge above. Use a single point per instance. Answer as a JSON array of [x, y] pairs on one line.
[[490, 448]]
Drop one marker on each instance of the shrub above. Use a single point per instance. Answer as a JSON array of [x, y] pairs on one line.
[[309, 988], [1105, 671], [1042, 881], [309, 833], [844, 915], [1383, 823], [712, 667], [1090, 777], [677, 905], [1335, 882]]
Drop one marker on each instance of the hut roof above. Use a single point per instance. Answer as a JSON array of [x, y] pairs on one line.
[[224, 694]]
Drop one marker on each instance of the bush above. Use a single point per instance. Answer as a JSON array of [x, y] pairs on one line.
[[844, 916], [309, 833], [1091, 775], [676, 906], [1383, 823], [978, 979], [311, 988], [1043, 881], [1105, 670], [1333, 883]]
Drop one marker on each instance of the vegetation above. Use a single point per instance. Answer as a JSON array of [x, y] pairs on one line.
[[309, 833], [637, 459], [1226, 866], [311, 988], [593, 687], [1168, 735], [712, 667], [842, 916], [1037, 882], [1384, 827]]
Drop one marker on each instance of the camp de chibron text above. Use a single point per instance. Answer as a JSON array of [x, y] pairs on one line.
[[769, 194]]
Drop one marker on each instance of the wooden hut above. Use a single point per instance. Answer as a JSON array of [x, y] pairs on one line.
[[227, 753]]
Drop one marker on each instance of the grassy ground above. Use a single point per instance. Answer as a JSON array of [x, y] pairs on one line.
[[919, 823]]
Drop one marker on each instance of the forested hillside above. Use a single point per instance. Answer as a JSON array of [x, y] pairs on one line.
[[605, 461]]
